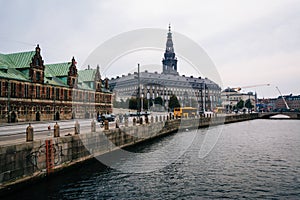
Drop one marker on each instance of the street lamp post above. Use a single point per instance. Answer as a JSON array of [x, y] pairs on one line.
[[148, 96], [138, 94]]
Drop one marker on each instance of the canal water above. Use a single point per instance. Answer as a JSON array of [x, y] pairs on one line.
[[251, 159]]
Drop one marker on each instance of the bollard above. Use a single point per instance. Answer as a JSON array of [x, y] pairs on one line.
[[134, 121], [126, 121], [141, 120], [146, 119], [56, 130], [29, 133], [117, 123], [152, 119], [93, 126], [49, 130], [77, 128], [106, 125]]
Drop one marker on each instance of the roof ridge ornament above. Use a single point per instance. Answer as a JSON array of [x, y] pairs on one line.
[[37, 49]]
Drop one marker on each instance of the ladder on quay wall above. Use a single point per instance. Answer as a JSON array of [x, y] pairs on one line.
[[49, 156]]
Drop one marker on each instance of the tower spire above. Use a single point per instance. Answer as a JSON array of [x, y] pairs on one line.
[[169, 44], [169, 61]]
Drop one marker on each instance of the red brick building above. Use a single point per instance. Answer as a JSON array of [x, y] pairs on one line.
[[292, 101], [32, 91]]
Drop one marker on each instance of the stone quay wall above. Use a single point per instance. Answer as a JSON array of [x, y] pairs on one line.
[[27, 161]]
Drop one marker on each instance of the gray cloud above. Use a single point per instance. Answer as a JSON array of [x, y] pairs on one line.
[[234, 33]]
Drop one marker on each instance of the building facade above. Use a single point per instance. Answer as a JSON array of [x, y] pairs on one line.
[[33, 91], [293, 102], [278, 104], [198, 92], [230, 98]]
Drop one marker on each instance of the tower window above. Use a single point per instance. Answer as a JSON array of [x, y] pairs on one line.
[[38, 76], [37, 63]]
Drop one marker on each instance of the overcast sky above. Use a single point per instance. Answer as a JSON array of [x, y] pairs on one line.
[[251, 42]]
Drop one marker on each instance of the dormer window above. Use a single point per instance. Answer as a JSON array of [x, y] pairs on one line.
[[36, 71]]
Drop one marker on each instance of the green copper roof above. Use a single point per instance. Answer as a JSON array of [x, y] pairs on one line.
[[5, 61], [15, 66], [9, 63], [54, 81], [86, 75], [21, 59], [58, 69], [13, 74], [83, 86]]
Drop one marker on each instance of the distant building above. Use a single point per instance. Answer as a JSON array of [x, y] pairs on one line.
[[266, 105], [32, 91], [277, 104], [230, 97], [190, 91], [292, 101]]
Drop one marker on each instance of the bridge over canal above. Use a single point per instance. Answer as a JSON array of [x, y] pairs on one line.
[[291, 115]]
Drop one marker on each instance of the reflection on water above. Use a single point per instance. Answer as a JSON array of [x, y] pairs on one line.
[[252, 159]]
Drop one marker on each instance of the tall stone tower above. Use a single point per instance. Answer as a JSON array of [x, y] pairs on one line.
[[169, 61]]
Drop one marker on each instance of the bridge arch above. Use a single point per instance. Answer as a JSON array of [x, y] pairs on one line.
[[291, 115]]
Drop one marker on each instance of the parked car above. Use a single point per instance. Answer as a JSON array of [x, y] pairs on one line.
[[134, 114], [109, 117]]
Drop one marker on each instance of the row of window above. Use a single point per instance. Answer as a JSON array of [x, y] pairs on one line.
[[21, 90], [159, 89], [23, 110]]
